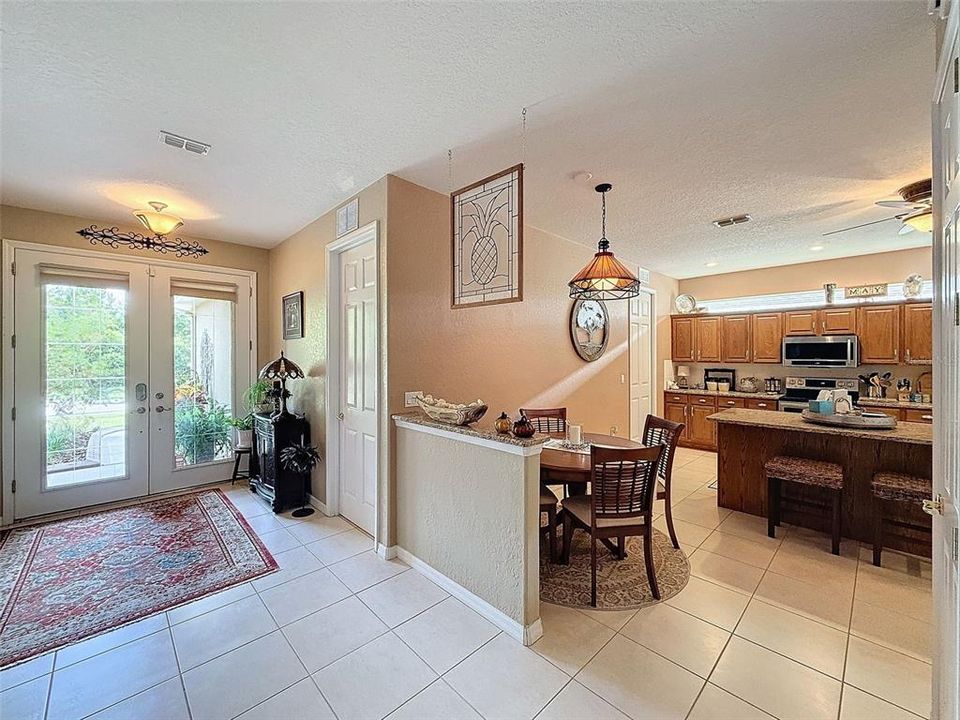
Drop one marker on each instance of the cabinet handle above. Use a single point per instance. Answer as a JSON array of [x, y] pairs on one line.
[[730, 402], [761, 404], [701, 401], [926, 417], [907, 355]]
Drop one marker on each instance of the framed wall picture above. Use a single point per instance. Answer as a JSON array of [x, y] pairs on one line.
[[293, 315], [348, 217], [589, 328], [487, 240]]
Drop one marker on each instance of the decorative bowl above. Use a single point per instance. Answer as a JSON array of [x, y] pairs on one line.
[[459, 414]]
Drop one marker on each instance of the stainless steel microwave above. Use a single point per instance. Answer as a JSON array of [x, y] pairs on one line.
[[821, 351]]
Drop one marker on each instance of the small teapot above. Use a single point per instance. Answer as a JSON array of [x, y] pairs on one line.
[[523, 428], [503, 424]]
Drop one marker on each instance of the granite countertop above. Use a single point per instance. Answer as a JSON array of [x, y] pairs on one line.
[[729, 393], [480, 429], [905, 432], [891, 403]]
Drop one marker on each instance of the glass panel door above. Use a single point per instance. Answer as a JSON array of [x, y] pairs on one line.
[[80, 435]]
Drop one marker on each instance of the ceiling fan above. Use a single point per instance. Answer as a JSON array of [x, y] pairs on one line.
[[917, 212]]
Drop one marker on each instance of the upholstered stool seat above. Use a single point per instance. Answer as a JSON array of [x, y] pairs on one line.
[[812, 473], [896, 488]]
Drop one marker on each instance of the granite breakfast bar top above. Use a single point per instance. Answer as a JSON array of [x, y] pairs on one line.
[[904, 432], [480, 430]]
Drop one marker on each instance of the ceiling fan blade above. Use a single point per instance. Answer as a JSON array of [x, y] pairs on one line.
[[854, 227], [896, 204], [906, 229]]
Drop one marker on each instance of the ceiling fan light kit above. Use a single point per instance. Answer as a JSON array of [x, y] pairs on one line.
[[156, 221], [916, 204], [604, 277]]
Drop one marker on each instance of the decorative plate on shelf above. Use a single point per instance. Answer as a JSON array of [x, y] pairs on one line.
[[589, 328], [685, 303], [913, 285]]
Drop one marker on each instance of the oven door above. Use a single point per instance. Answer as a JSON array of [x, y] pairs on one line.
[[792, 406], [816, 351]]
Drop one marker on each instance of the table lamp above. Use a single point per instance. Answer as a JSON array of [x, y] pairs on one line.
[[281, 369]]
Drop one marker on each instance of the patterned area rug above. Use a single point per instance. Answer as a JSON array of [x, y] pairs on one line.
[[71, 579], [621, 584]]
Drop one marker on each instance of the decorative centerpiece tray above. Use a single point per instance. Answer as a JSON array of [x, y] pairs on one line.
[[459, 414], [871, 421]]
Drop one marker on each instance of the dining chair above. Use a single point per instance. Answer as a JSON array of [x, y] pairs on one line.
[[658, 431], [547, 420], [548, 505], [624, 484]]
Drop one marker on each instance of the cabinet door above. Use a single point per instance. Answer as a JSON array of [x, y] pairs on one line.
[[800, 322], [919, 416], [708, 339], [682, 339], [767, 338], [765, 404], [918, 334], [838, 321], [730, 402], [879, 330], [735, 338], [702, 431], [677, 413]]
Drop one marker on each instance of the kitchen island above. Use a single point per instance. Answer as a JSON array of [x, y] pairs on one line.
[[746, 439]]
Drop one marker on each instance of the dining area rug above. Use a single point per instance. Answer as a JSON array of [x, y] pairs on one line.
[[621, 584], [67, 580]]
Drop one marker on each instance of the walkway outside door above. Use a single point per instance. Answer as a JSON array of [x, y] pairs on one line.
[[126, 373]]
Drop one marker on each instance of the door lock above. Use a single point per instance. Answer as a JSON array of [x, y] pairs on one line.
[[159, 396], [161, 408], [141, 392], [339, 416], [141, 410], [934, 506]]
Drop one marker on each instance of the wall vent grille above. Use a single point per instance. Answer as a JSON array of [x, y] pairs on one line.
[[182, 143], [735, 220]]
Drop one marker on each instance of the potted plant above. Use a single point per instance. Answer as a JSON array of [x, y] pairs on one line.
[[257, 396], [244, 427], [300, 459]]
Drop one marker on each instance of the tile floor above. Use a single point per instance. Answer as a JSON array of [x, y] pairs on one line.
[[765, 628]]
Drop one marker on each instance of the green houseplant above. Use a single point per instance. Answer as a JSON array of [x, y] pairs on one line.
[[300, 459]]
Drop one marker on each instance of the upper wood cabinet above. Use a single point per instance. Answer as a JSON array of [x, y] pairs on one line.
[[917, 346], [708, 339], [735, 333], [800, 322], [879, 331], [838, 321], [682, 339], [767, 337]]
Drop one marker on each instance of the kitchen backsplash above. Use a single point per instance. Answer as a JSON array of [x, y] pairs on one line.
[[761, 372]]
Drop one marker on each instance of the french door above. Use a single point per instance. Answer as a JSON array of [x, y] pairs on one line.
[[126, 375]]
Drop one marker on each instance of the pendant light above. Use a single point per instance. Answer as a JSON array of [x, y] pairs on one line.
[[604, 277], [157, 221]]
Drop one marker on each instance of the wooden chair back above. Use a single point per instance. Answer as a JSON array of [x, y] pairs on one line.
[[623, 481], [547, 420], [658, 431]]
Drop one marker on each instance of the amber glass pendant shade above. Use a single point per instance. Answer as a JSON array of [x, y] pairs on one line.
[[157, 221], [604, 277]]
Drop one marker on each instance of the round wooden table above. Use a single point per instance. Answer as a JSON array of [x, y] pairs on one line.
[[564, 466]]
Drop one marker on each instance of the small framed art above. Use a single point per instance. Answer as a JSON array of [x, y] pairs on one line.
[[293, 315]]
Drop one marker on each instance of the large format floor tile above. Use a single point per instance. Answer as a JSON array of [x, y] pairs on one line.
[[375, 680], [570, 638], [858, 705], [207, 636], [301, 701], [401, 597], [26, 701], [339, 547], [901, 680], [446, 633], [686, 640], [303, 595], [329, 634], [165, 700], [717, 605], [575, 702], [361, 571], [438, 702], [503, 679], [717, 704]]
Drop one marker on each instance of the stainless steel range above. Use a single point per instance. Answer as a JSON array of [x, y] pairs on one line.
[[801, 390]]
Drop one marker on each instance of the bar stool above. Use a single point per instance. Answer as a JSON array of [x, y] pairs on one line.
[[897, 488], [239, 452], [802, 471], [548, 505]]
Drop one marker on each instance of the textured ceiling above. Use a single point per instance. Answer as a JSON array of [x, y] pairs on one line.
[[800, 113]]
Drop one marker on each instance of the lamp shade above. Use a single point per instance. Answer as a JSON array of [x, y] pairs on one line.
[[281, 369], [922, 220], [604, 278], [157, 221]]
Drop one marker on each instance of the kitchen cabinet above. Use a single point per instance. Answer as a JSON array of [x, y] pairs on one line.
[[730, 402], [879, 331], [766, 337], [708, 339], [735, 331], [676, 412], [800, 322], [837, 321], [919, 416], [917, 344], [892, 412], [703, 432], [682, 339], [765, 404]]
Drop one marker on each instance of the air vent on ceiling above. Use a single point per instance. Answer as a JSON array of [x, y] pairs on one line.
[[182, 143], [735, 220]]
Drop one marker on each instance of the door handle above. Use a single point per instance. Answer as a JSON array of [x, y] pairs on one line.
[[140, 410], [161, 408], [339, 416]]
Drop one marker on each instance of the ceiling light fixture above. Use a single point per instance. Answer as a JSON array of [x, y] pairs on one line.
[[157, 222], [712, 263], [604, 277], [816, 248], [921, 220]]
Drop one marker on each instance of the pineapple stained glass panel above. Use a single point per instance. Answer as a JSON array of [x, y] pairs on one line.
[[487, 235]]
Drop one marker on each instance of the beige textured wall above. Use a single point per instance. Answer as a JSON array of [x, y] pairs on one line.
[[299, 263], [61, 230], [472, 513], [513, 355], [879, 267]]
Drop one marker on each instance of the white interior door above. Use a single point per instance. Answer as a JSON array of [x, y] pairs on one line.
[[357, 426], [640, 344], [80, 434], [946, 329], [201, 362]]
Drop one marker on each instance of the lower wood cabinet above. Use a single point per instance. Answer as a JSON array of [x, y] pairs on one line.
[[702, 432], [919, 416], [757, 404], [676, 413]]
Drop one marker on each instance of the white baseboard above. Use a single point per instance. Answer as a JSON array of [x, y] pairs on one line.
[[526, 634], [314, 502], [386, 552]]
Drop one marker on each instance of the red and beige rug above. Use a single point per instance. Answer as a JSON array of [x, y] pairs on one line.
[[71, 579]]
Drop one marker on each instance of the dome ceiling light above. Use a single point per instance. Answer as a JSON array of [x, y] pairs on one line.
[[157, 222]]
